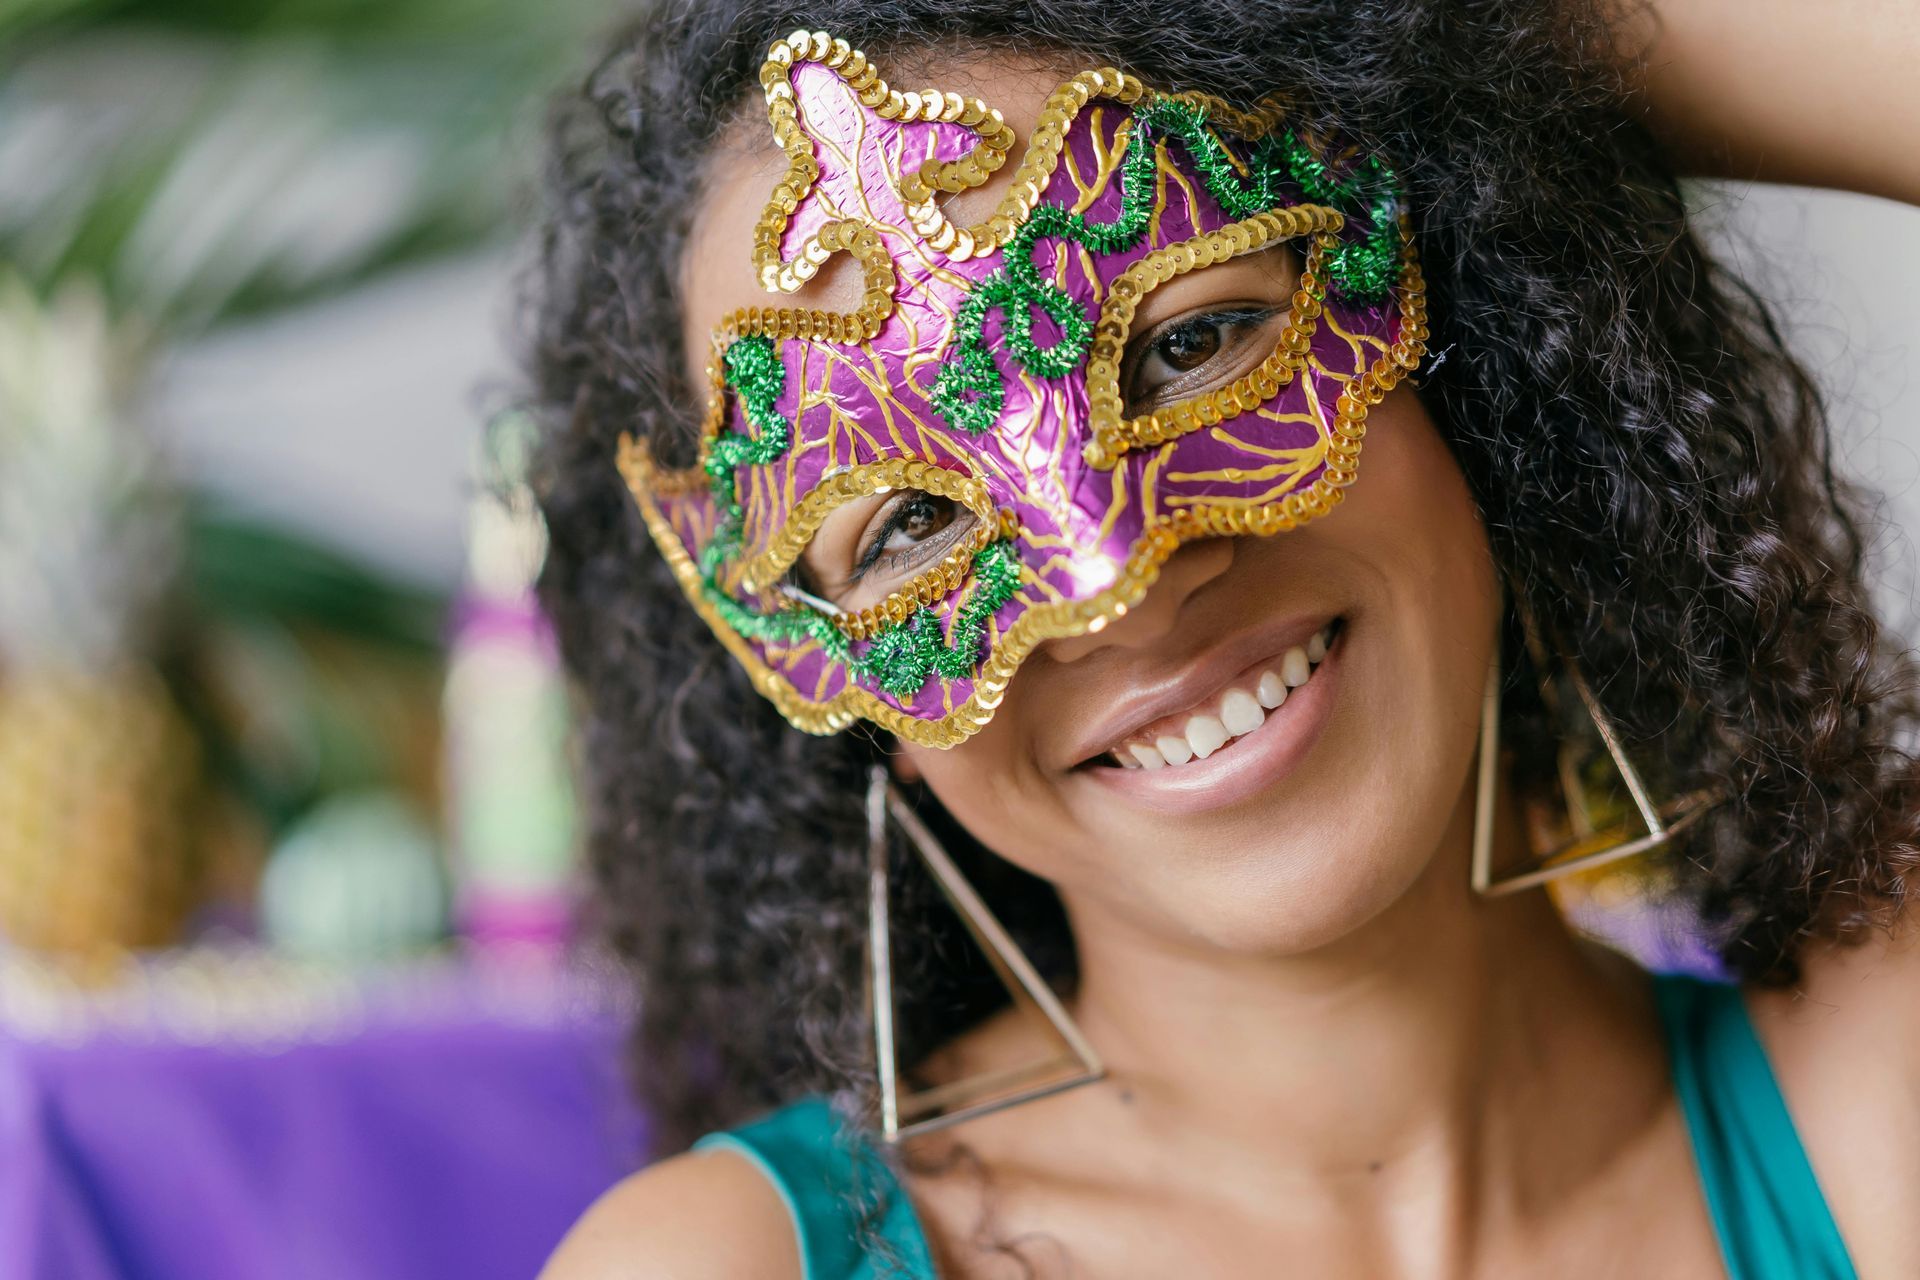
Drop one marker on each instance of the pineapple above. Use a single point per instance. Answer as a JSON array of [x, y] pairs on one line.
[[97, 766]]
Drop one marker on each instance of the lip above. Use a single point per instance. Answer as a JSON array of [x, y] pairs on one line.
[[1215, 669], [1248, 764]]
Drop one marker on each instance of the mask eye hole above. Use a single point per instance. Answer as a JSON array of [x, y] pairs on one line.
[[907, 532], [1197, 352]]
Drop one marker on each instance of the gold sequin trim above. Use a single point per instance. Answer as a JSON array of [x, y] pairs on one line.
[[858, 325], [1042, 156], [1252, 125], [781, 275], [1113, 433], [836, 490], [926, 587]]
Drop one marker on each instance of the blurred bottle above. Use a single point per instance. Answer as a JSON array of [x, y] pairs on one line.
[[512, 804], [355, 880], [98, 768]]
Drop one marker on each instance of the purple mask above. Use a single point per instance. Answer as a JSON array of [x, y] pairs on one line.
[[984, 366]]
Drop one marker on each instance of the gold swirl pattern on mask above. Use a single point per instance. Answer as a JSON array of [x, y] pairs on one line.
[[858, 325], [1114, 434], [780, 275]]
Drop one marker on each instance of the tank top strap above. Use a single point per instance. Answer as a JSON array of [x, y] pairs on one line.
[[825, 1172], [1768, 1210]]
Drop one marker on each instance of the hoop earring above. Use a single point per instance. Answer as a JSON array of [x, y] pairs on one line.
[[1589, 848], [957, 1100]]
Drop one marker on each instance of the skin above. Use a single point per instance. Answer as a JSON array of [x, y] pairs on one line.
[[1817, 95], [1488, 1093]]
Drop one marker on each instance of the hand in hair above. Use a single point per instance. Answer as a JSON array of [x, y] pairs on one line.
[[1819, 95]]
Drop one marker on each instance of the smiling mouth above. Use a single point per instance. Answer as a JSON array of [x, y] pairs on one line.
[[1213, 724]]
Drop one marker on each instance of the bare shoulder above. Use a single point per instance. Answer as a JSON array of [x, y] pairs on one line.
[[1845, 1047], [705, 1215], [1863, 997]]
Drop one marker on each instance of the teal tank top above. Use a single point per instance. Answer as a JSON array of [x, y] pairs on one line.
[[1768, 1212], [1767, 1208], [824, 1171]]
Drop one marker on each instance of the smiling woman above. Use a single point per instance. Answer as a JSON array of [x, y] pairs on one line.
[[1034, 490]]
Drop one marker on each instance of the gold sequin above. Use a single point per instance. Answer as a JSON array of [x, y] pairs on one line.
[[784, 275], [790, 541], [1115, 435]]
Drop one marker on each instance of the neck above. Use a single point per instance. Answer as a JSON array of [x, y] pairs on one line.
[[1476, 1033]]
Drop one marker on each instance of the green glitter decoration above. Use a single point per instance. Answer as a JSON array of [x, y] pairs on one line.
[[1360, 270], [1240, 198], [970, 390], [785, 626], [900, 657], [754, 374]]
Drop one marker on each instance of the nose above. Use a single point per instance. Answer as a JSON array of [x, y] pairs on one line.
[[1190, 568]]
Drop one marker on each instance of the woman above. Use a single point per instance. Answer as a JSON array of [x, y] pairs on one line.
[[1194, 705]]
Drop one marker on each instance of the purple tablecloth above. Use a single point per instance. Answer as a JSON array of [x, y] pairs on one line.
[[447, 1141], [235, 1118]]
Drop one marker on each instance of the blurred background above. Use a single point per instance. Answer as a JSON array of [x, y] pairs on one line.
[[291, 978], [289, 983]]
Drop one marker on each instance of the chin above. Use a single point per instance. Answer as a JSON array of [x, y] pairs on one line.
[[1285, 895]]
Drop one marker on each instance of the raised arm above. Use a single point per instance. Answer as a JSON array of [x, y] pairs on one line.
[[1822, 93]]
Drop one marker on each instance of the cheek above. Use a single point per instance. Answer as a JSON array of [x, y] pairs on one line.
[[1360, 824], [1431, 634], [988, 785], [1413, 504]]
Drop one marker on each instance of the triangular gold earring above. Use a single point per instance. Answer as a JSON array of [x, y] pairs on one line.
[[902, 1115], [1586, 847]]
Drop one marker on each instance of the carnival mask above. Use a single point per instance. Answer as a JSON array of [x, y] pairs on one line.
[[984, 367]]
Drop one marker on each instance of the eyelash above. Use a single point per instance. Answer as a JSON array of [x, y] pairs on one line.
[[1226, 317], [896, 516]]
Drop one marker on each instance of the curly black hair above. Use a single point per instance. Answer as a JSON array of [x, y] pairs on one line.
[[1653, 469]]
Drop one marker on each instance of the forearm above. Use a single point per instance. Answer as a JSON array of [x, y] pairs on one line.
[[1817, 92]]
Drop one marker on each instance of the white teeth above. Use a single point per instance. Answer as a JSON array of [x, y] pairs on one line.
[[1147, 756], [1294, 667], [1206, 735], [1240, 712]]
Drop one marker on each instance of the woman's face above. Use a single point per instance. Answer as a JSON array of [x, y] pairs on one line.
[[1293, 832]]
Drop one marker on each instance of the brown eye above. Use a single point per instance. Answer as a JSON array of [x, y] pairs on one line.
[[1197, 353], [906, 534], [913, 532], [924, 515], [1189, 346]]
